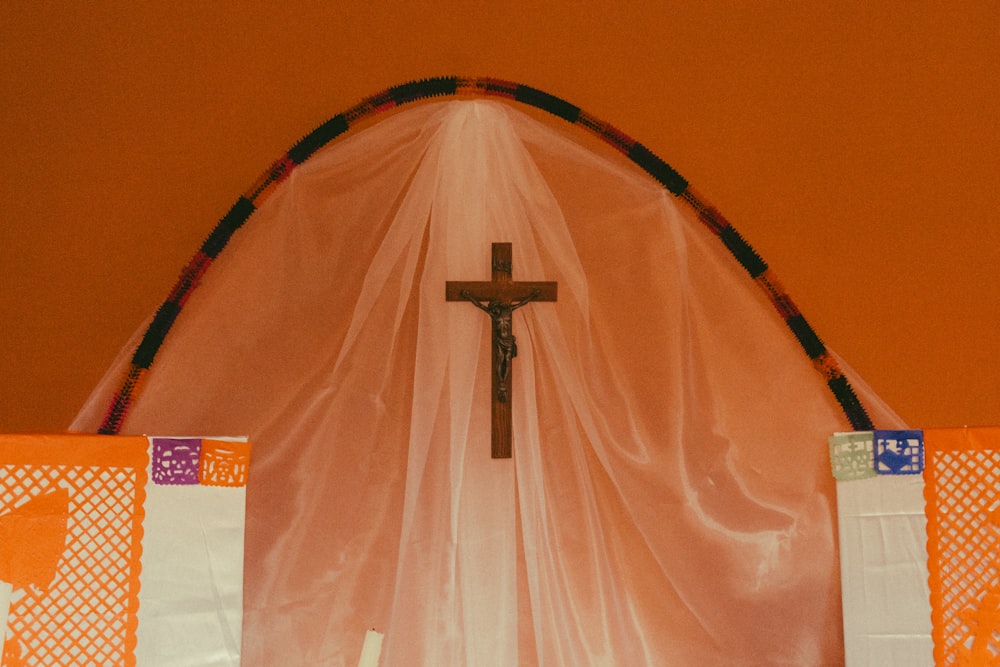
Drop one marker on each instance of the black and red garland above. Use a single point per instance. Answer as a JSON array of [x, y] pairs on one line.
[[424, 89]]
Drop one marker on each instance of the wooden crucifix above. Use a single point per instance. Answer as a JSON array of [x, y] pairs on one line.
[[499, 298]]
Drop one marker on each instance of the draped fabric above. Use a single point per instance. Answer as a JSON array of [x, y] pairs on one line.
[[669, 499]]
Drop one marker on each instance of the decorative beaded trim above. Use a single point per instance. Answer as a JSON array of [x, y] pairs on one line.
[[424, 89]]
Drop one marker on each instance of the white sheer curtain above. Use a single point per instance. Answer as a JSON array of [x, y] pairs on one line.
[[669, 500]]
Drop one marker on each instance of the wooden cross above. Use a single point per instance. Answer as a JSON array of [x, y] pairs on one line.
[[499, 298]]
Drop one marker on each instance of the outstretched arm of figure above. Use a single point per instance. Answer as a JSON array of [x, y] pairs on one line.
[[526, 300], [475, 302]]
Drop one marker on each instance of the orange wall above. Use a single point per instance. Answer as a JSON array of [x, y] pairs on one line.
[[854, 144]]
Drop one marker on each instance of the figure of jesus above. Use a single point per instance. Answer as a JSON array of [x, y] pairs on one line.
[[503, 335]]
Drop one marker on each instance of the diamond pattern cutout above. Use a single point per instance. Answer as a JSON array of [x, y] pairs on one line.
[[963, 525], [86, 615]]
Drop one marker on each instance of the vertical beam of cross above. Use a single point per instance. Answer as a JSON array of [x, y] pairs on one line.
[[499, 298]]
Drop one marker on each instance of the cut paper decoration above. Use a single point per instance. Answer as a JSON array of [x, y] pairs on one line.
[[883, 557], [852, 455], [899, 452], [100, 566], [224, 463], [963, 542], [200, 461], [176, 460], [32, 541], [85, 613], [863, 454], [669, 498]]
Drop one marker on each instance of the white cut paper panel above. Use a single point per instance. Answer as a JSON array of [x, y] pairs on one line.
[[883, 570], [191, 600]]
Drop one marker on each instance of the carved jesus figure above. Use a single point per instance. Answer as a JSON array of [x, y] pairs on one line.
[[503, 335]]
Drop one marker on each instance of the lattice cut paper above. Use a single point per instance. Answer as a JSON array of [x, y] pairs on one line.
[[852, 455], [962, 491], [84, 612]]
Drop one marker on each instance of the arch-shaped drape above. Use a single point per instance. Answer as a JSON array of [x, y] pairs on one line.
[[669, 500]]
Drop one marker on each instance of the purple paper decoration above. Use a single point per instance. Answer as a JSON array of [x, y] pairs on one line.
[[175, 460]]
